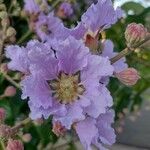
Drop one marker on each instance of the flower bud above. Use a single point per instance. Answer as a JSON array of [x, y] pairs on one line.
[[27, 137], [2, 7], [2, 115], [128, 76], [10, 32], [3, 14], [5, 22], [10, 91], [135, 33], [14, 145], [5, 131], [3, 68], [58, 129]]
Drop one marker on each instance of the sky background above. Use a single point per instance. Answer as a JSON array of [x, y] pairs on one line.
[[145, 3]]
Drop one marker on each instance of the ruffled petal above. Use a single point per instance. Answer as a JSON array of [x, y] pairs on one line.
[[74, 114], [72, 55], [19, 58], [86, 131]]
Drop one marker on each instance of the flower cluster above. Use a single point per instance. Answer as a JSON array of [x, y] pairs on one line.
[[66, 75]]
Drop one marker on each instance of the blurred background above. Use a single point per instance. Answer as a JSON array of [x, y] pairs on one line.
[[131, 104]]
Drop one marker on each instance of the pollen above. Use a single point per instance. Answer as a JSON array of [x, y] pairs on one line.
[[67, 88]]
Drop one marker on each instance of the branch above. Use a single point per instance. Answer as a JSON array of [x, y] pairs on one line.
[[128, 50]]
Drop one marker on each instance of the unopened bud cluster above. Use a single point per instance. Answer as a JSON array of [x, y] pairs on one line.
[[7, 32], [134, 34]]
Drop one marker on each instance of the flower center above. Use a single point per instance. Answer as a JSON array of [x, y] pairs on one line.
[[67, 88]]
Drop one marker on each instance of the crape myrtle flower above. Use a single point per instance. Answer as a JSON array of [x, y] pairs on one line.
[[65, 10], [63, 82], [49, 26], [96, 131], [98, 17], [35, 6]]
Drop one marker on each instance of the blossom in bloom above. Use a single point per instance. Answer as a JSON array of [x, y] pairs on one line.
[[135, 33], [96, 131], [14, 145], [35, 6], [100, 16], [64, 82], [129, 76], [65, 10], [49, 26]]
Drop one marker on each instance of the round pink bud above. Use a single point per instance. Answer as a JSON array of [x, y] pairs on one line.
[[135, 33], [10, 91], [58, 129], [129, 76], [3, 68], [2, 114], [27, 137], [14, 145]]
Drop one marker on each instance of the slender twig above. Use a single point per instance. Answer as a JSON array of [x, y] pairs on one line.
[[21, 125], [24, 37], [128, 50], [2, 145], [7, 77]]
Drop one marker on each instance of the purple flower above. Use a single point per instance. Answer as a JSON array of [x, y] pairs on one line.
[[100, 16], [63, 83], [96, 131], [49, 26], [33, 7], [65, 10], [108, 50]]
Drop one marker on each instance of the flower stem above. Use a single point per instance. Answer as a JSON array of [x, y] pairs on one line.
[[2, 146], [20, 125], [24, 37], [128, 50], [7, 77]]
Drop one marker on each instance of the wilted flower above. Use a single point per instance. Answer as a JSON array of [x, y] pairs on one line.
[[129, 76], [2, 114], [14, 145], [60, 83], [135, 33], [58, 129], [10, 91], [65, 10]]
